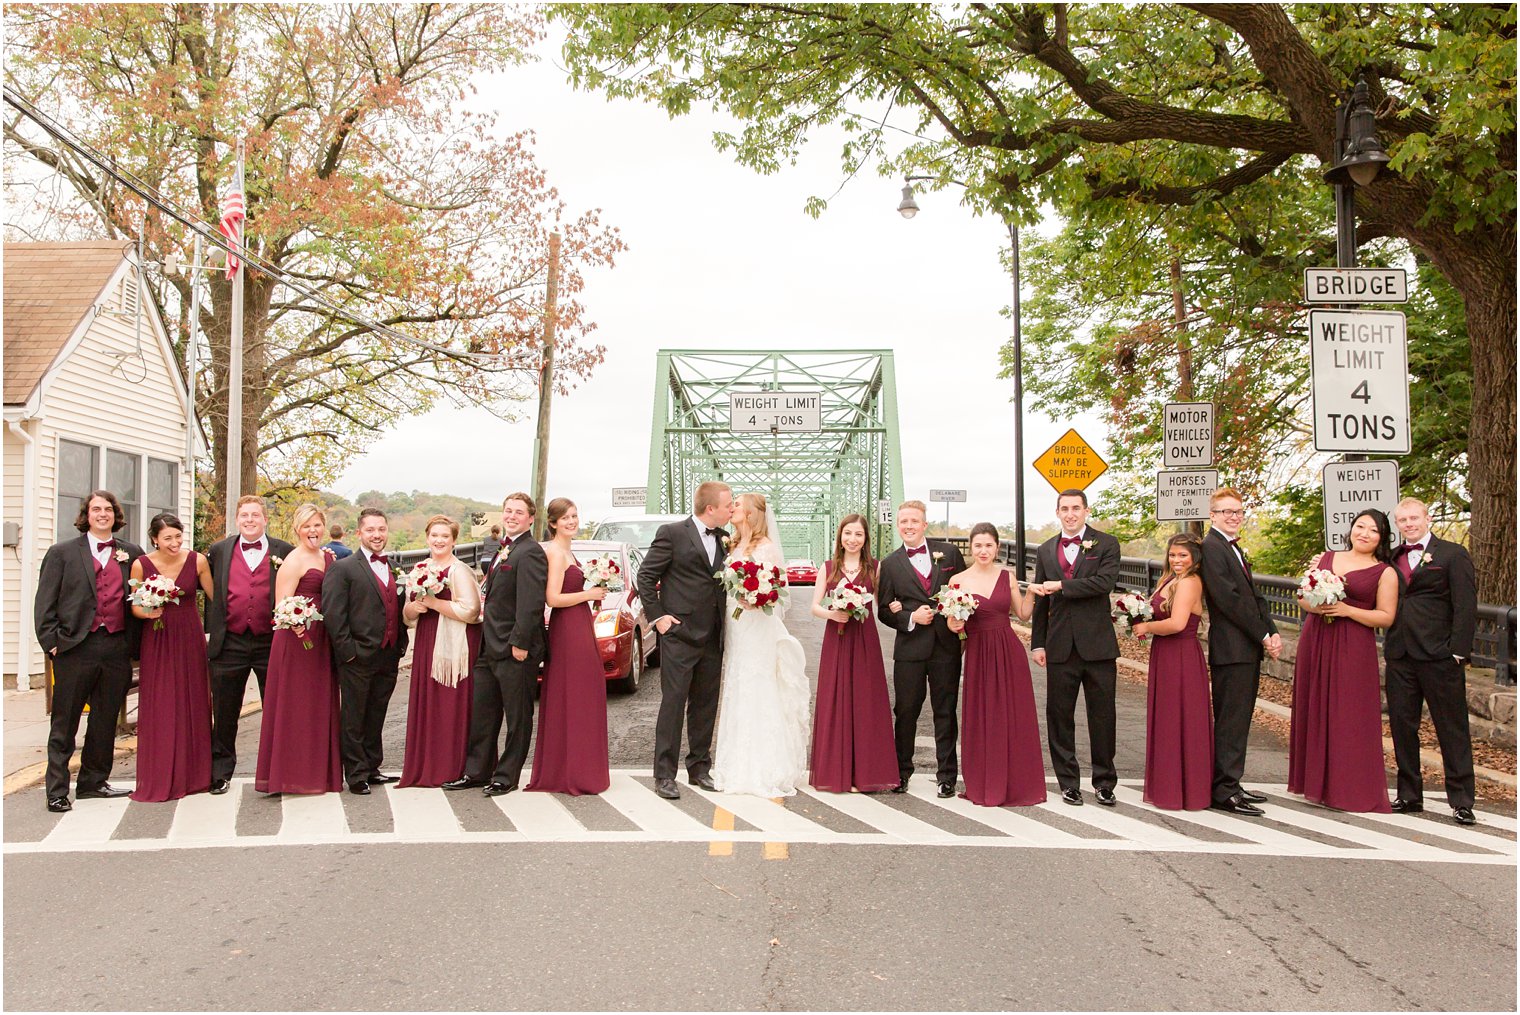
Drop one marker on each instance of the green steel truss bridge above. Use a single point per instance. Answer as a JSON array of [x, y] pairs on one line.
[[811, 477]]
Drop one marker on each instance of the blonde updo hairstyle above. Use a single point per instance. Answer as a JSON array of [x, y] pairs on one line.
[[302, 516], [754, 516]]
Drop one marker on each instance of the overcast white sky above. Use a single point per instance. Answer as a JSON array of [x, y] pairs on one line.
[[721, 257]]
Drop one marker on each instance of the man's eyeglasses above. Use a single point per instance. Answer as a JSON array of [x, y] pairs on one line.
[[1229, 512]]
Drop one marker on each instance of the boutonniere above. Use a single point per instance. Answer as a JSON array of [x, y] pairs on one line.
[[938, 555], [275, 561], [725, 542], [121, 556], [1087, 544], [1422, 559]]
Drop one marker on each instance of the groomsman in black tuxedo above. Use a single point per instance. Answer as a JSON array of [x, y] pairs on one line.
[[1074, 640], [511, 649], [86, 627], [239, 626], [1241, 631], [926, 654], [685, 603], [361, 608], [1427, 650]]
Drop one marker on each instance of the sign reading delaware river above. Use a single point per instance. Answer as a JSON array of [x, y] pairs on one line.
[[778, 411], [1361, 381]]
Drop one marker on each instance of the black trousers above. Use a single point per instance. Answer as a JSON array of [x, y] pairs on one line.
[[503, 693], [1234, 687], [690, 676], [229, 682], [1442, 686], [1096, 680], [938, 677], [96, 672], [364, 691]]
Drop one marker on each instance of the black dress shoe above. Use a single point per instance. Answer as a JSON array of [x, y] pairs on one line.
[[1464, 816], [59, 804], [463, 782], [380, 780], [105, 791], [1072, 796], [667, 788], [1106, 797], [946, 790], [1402, 806], [705, 782], [220, 786], [359, 788], [1252, 798], [901, 787], [1237, 805], [499, 789]]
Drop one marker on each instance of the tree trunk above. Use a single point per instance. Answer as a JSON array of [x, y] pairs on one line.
[[1491, 441]]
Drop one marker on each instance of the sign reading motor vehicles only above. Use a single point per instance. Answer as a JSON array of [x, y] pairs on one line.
[[1360, 366]]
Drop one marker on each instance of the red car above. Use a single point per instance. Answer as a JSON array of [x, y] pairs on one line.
[[624, 638], [801, 572]]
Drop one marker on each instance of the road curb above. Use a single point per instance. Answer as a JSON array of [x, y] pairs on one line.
[[32, 775]]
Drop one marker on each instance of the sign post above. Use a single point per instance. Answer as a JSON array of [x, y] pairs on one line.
[[1182, 495], [1070, 463], [947, 497], [1352, 486], [1360, 366]]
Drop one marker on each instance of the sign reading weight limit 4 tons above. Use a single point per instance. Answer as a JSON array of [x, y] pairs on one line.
[[1361, 381]]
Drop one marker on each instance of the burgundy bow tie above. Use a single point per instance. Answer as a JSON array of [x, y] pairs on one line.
[[252, 546], [379, 558], [1070, 540], [1416, 548], [921, 549], [106, 544], [1233, 542]]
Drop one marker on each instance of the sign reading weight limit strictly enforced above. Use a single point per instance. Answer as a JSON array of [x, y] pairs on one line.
[[1351, 487], [1360, 367]]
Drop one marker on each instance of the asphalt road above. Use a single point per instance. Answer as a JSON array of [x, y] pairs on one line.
[[650, 925]]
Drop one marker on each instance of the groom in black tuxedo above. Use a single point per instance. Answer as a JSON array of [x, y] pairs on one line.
[[685, 602], [926, 654], [1073, 639], [1427, 649], [511, 648]]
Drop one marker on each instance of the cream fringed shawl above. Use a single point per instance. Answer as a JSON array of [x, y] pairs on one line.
[[451, 648]]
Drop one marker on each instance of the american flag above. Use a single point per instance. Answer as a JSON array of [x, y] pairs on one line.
[[231, 226]]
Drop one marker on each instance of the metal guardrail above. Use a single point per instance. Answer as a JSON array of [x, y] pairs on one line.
[[1493, 641], [468, 553]]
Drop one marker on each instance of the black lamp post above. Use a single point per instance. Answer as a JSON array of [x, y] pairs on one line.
[[908, 208], [1359, 160]]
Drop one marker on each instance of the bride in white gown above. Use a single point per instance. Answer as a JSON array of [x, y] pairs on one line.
[[763, 712]]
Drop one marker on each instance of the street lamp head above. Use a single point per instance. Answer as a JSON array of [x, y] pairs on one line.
[[1360, 152], [908, 207]]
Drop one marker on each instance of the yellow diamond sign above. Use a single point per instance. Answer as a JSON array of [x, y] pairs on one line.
[[1070, 463]]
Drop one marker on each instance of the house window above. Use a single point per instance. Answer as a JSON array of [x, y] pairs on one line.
[[78, 467], [122, 480], [163, 487]]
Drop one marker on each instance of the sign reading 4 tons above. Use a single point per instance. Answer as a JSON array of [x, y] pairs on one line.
[[1361, 381]]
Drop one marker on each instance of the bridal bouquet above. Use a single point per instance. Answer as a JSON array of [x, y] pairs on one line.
[[602, 572], [850, 599], [1321, 588], [151, 593], [293, 612], [954, 603], [425, 580], [749, 581], [1130, 609]]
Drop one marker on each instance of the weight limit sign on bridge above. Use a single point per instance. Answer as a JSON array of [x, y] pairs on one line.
[[1360, 362], [1352, 487]]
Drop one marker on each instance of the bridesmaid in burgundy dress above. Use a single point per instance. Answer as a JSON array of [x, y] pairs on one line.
[[444, 649], [298, 738], [1179, 730], [853, 745], [1335, 744], [174, 690], [571, 753], [1001, 757]]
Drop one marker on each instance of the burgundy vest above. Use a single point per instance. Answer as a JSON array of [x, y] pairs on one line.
[[248, 596], [110, 600], [392, 607]]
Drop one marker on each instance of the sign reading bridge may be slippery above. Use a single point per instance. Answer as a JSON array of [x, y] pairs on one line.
[[1070, 463]]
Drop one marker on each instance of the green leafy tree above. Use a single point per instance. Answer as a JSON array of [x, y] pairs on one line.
[[1109, 112]]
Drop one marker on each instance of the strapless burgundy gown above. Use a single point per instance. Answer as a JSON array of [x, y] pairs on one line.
[[1335, 746], [437, 716], [174, 699], [1179, 730], [1001, 757], [853, 745], [571, 753], [298, 738]]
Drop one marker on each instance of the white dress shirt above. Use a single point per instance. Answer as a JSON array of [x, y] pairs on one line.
[[382, 571], [102, 555], [710, 543], [1070, 550], [254, 557]]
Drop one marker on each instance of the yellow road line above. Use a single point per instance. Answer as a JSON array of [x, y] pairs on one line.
[[723, 821]]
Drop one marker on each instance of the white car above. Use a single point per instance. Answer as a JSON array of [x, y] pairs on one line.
[[636, 530]]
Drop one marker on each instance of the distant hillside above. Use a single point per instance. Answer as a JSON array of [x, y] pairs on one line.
[[407, 513]]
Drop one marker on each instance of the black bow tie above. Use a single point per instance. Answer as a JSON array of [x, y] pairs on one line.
[[714, 532], [1071, 540], [918, 549], [252, 546]]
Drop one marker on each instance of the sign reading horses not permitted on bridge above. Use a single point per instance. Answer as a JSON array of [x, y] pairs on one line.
[[1070, 463]]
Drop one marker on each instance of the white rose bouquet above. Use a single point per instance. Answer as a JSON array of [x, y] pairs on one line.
[[151, 593], [424, 580], [602, 572], [293, 612], [954, 603], [1321, 587], [1130, 609], [750, 581], [849, 599]]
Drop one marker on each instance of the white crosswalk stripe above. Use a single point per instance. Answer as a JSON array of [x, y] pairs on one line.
[[920, 819]]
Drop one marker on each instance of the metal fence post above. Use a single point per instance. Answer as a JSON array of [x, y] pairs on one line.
[[1504, 664]]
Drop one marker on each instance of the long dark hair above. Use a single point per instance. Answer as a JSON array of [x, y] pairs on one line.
[[1384, 550], [1169, 581], [867, 562]]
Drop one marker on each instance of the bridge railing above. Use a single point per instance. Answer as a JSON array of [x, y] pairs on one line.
[[468, 553], [1493, 641]]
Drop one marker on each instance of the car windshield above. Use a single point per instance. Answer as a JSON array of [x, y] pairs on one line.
[[640, 534], [800, 563]]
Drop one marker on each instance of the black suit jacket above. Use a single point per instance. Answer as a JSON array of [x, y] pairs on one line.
[[1238, 615], [353, 610], [219, 556], [898, 580], [677, 579], [1078, 619], [513, 614], [65, 605], [1438, 607]]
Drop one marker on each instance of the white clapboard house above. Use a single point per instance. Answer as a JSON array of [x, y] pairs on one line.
[[93, 399]]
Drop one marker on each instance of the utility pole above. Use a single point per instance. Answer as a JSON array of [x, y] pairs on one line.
[[191, 351], [234, 478], [545, 389]]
